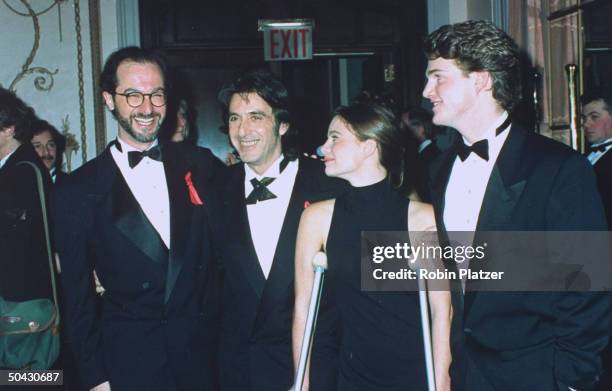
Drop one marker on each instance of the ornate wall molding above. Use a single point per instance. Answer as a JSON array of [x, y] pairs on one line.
[[49, 45], [45, 81], [72, 146], [96, 69], [77, 27]]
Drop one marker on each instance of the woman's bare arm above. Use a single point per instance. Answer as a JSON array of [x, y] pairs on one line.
[[421, 219], [311, 238]]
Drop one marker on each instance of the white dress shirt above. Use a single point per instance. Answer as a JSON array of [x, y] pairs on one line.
[[424, 144], [596, 155], [468, 182], [147, 181], [52, 172], [466, 188], [266, 217]]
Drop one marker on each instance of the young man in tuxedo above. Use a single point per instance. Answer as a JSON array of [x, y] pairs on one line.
[[597, 120], [501, 177], [137, 214], [264, 198]]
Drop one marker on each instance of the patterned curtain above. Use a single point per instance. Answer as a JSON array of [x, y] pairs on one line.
[[550, 46]]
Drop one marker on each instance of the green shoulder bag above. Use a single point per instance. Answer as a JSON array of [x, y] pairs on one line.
[[29, 330]]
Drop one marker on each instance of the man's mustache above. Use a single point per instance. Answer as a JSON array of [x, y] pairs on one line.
[[145, 116]]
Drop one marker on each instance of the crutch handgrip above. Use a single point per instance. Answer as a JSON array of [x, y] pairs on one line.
[[319, 261]]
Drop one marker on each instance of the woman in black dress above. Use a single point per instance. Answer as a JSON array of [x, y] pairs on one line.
[[381, 346]]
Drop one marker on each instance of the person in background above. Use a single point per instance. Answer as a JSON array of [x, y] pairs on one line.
[[419, 122], [597, 122], [422, 132], [50, 144], [181, 133], [24, 262]]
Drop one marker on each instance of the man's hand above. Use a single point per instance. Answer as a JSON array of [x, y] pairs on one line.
[[102, 387]]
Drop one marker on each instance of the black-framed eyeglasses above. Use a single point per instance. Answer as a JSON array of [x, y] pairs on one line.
[[135, 99]]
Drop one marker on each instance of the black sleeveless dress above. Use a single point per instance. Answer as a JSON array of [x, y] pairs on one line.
[[381, 344]]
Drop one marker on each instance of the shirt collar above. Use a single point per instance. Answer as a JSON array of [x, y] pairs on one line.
[[602, 142], [495, 140], [7, 157], [273, 171], [424, 145], [125, 147], [491, 133]]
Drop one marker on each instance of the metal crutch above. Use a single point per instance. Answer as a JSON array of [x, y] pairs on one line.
[[319, 263], [424, 309]]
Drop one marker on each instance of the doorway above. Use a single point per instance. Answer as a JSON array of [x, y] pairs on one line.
[[316, 87]]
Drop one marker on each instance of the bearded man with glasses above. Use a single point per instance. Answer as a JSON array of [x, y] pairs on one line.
[[137, 214]]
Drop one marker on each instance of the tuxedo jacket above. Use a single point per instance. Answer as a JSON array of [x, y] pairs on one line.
[[59, 175], [24, 263], [603, 172], [155, 327], [257, 313], [529, 341]]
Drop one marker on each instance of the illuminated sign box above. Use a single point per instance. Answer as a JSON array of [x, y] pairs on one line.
[[287, 40]]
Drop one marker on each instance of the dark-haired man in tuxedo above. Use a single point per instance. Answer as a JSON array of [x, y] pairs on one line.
[[50, 144], [597, 120], [24, 263], [137, 215], [263, 201], [501, 177]]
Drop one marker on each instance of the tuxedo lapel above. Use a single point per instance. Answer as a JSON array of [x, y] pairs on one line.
[[126, 214], [282, 272], [239, 228], [181, 212], [504, 189], [499, 202], [505, 185]]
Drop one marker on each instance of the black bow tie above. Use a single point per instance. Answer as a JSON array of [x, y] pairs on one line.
[[480, 148], [599, 148], [134, 157], [260, 191]]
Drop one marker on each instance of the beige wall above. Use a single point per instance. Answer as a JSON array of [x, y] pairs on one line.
[[442, 12], [479, 9], [40, 50]]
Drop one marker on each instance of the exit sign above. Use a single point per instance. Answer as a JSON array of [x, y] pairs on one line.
[[287, 40]]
